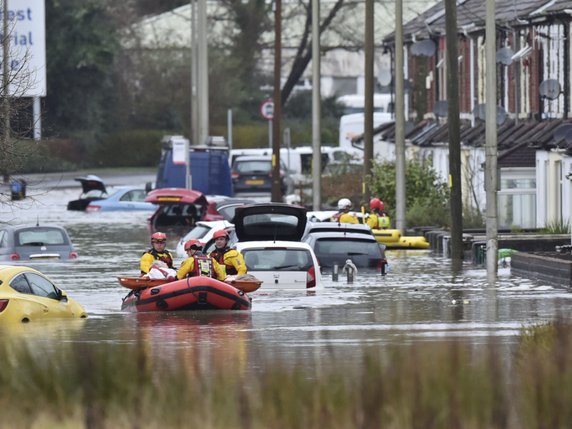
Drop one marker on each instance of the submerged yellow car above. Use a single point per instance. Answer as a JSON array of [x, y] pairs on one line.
[[26, 295]]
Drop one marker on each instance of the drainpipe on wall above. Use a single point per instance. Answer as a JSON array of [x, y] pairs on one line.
[[566, 26], [472, 77]]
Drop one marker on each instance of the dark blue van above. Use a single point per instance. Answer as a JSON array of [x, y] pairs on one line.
[[209, 167]]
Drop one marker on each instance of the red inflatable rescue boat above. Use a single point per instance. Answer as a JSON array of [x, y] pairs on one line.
[[193, 293]]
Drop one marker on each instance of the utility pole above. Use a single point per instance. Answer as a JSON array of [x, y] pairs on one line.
[[316, 111], [399, 121], [368, 100], [194, 76], [454, 134], [276, 122], [491, 143], [203, 74], [7, 149]]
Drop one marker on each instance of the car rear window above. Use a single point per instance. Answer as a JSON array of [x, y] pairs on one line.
[[253, 166], [277, 259], [271, 226], [335, 227], [41, 236], [347, 248]]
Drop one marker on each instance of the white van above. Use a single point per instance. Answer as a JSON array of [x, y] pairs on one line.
[[249, 152], [353, 125], [354, 103]]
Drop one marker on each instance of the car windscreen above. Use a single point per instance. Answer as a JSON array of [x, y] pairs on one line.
[[41, 237], [255, 166], [199, 231], [363, 253], [277, 259], [137, 195]]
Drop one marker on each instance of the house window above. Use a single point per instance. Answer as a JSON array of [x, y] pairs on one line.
[[517, 200]]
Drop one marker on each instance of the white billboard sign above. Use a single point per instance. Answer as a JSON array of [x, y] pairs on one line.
[[27, 47]]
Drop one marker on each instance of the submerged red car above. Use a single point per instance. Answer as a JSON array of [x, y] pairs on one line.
[[180, 209]]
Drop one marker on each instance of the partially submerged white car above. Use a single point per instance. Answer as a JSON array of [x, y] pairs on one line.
[[281, 265], [269, 238]]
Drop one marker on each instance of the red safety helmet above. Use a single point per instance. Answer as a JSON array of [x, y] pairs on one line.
[[221, 233], [159, 236], [193, 244], [375, 203]]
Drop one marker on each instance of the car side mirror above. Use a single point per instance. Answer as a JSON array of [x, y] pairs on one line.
[[63, 296]]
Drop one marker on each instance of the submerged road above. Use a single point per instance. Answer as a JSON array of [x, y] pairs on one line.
[[110, 177]]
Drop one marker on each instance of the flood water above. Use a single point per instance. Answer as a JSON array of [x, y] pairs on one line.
[[419, 300]]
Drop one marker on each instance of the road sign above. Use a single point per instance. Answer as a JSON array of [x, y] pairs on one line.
[[267, 110]]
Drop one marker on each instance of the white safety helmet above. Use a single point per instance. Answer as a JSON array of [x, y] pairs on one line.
[[344, 203]]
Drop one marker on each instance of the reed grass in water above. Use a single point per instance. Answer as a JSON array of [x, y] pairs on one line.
[[425, 386]]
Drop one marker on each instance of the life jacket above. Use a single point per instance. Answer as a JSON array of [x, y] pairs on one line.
[[384, 222], [348, 218], [203, 267], [218, 255], [165, 256]]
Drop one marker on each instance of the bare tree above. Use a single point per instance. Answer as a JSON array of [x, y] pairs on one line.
[[304, 50], [240, 54], [16, 80]]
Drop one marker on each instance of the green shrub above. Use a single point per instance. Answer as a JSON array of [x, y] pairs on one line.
[[427, 196], [473, 218], [131, 148], [422, 213], [47, 156], [252, 135]]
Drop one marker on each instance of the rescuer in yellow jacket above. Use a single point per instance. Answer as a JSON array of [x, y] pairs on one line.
[[156, 252], [378, 219], [344, 215], [199, 264], [231, 260]]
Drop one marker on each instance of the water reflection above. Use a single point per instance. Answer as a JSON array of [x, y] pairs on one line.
[[47, 331], [206, 341]]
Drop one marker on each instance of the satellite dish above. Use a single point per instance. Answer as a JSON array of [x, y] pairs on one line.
[[480, 112], [384, 77], [550, 89], [504, 56], [561, 132], [424, 48], [384, 65], [441, 108]]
